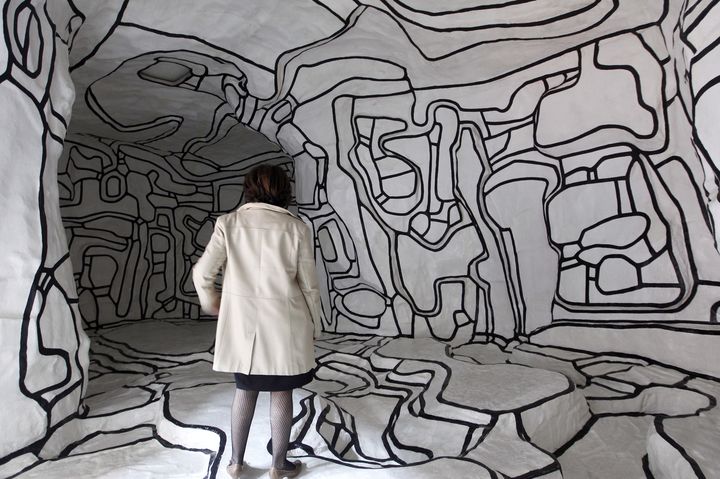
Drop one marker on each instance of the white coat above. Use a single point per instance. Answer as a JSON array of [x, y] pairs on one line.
[[270, 302]]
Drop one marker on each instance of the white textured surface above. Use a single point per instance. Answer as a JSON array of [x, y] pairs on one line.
[[682, 448], [485, 182], [375, 409], [43, 350], [466, 180]]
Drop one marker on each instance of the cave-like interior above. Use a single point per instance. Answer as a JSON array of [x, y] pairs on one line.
[[514, 207]]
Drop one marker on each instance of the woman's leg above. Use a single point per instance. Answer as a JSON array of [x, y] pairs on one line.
[[281, 416], [243, 409]]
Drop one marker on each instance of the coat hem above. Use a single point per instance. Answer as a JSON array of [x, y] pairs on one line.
[[222, 369]]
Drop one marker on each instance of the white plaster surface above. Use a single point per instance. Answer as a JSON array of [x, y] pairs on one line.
[[502, 171], [43, 350], [156, 409], [462, 185]]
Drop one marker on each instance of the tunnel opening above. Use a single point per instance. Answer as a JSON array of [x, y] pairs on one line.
[[154, 153], [137, 218]]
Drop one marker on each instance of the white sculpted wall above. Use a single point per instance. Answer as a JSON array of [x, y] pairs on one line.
[[535, 171], [43, 347], [545, 181]]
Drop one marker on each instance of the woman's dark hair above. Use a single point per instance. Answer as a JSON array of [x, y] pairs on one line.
[[267, 184]]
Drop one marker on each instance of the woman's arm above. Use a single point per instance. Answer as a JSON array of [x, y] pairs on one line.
[[206, 269], [307, 279]]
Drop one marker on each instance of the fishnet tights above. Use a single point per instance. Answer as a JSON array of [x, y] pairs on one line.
[[243, 409], [281, 415]]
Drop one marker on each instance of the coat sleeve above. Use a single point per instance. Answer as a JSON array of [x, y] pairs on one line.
[[307, 278], [206, 269]]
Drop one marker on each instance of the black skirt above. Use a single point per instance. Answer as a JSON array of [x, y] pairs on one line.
[[272, 382]]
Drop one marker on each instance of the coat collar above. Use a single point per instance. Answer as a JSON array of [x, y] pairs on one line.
[[264, 206]]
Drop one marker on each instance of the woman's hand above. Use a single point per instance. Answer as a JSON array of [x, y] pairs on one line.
[[214, 308]]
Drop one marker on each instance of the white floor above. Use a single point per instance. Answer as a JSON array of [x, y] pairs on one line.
[[383, 407]]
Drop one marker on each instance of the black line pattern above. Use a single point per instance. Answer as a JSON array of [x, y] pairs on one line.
[[41, 328], [481, 172], [375, 404]]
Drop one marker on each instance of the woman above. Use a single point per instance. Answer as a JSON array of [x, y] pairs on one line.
[[270, 308]]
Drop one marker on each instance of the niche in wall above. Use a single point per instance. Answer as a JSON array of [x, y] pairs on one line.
[[137, 218]]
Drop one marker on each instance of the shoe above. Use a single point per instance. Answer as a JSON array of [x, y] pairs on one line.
[[234, 470], [276, 473]]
